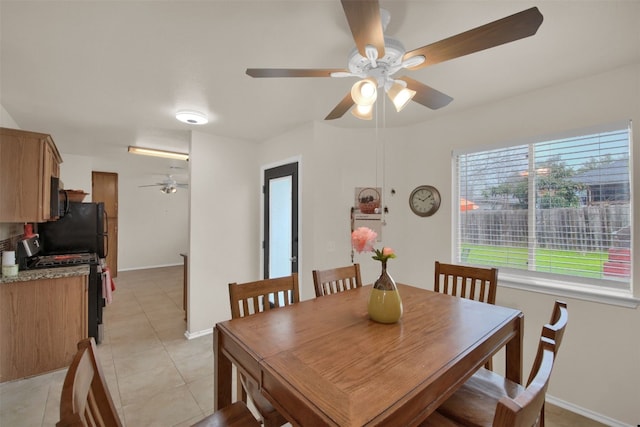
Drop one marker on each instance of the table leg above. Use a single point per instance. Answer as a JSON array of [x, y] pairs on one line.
[[221, 375], [513, 367]]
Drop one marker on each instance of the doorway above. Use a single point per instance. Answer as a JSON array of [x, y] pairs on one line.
[[280, 221], [104, 188]]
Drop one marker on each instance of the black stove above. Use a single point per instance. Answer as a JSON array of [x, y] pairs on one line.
[[60, 260]]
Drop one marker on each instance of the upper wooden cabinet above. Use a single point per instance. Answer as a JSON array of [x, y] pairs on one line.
[[28, 161]]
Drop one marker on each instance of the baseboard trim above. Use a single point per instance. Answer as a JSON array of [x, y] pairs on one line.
[[149, 266], [586, 412], [198, 334]]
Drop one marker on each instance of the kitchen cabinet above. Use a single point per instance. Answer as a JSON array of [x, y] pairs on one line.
[[28, 162], [41, 322]]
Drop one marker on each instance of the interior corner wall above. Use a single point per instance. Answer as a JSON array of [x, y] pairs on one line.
[[598, 334], [224, 225]]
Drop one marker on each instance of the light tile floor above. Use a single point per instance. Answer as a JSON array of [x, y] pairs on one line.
[[156, 376]]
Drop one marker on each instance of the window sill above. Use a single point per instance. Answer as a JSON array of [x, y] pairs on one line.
[[570, 290]]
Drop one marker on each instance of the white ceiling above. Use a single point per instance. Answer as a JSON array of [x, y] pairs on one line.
[[102, 75]]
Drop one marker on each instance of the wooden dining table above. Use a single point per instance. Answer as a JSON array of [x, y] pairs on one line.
[[324, 362]]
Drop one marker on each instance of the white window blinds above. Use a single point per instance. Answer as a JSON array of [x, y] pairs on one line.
[[559, 207]]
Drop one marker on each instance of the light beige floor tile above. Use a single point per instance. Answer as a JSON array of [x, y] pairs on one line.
[[126, 323], [24, 404], [194, 367], [135, 346], [170, 407], [196, 347], [160, 324], [202, 391], [52, 407], [172, 333], [143, 361], [145, 385]]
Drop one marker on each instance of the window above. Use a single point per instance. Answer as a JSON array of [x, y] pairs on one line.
[[558, 209]]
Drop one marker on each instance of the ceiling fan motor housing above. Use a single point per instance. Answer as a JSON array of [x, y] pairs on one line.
[[385, 67]]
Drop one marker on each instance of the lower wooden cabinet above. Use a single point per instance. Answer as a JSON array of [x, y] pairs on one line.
[[41, 322]]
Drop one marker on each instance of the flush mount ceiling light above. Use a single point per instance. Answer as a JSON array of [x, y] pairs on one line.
[[158, 153], [192, 117]]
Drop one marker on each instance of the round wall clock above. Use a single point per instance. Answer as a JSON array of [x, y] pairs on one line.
[[424, 200]]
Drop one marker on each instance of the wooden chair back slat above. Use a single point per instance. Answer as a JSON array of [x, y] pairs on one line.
[[474, 283], [525, 409], [335, 280], [85, 398], [554, 330], [254, 297]]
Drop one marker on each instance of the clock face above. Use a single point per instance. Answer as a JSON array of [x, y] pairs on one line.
[[424, 200]]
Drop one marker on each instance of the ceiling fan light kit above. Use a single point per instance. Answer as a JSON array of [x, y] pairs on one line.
[[400, 95], [363, 112], [377, 57], [364, 92], [192, 117], [158, 153], [168, 190]]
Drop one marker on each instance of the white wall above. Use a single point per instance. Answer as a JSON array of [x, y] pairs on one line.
[[224, 226], [598, 370], [152, 226]]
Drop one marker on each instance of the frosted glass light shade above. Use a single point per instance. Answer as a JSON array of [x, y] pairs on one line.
[[364, 92], [400, 95], [363, 112]]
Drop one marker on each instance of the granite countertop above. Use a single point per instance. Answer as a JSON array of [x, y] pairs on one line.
[[47, 273]]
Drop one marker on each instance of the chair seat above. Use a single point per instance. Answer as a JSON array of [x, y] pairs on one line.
[[474, 403], [438, 420], [235, 415]]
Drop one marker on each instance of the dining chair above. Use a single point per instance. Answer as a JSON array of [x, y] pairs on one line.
[[86, 401], [489, 399], [254, 297], [474, 283], [336, 280], [522, 410]]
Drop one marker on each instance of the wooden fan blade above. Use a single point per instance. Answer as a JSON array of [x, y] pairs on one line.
[[292, 72], [363, 17], [426, 95], [515, 27], [342, 107]]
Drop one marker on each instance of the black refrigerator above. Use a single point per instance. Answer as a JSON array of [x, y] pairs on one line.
[[82, 230]]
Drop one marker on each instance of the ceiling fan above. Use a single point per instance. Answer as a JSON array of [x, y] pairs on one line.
[[168, 186], [376, 58]]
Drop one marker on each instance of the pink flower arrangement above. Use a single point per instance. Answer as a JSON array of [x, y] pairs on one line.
[[363, 239]]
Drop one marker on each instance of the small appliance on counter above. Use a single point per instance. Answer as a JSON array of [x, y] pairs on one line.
[[9, 266]]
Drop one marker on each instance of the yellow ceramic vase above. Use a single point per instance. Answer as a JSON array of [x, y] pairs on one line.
[[385, 304]]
